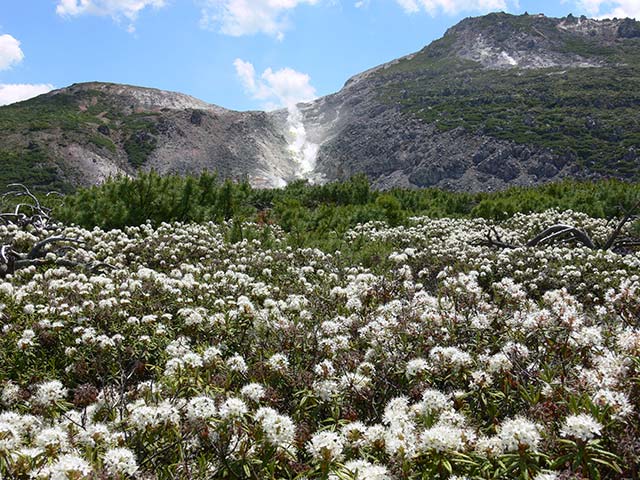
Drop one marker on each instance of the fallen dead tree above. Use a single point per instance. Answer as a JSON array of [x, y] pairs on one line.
[[568, 234], [30, 216]]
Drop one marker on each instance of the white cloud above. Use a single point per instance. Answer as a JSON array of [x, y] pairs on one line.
[[409, 6], [116, 9], [249, 17], [246, 73], [284, 88], [10, 52], [17, 92], [288, 86], [611, 8], [10, 55], [453, 7]]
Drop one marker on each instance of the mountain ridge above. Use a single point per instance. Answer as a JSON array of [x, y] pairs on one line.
[[471, 148], [499, 100]]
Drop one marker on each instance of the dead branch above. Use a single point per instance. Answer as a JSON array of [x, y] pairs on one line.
[[23, 192], [31, 213], [616, 232], [36, 214], [495, 240], [6, 253], [568, 233], [36, 251], [556, 231]]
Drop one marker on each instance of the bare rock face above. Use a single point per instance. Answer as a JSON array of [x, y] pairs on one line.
[[136, 99], [500, 100], [400, 152], [502, 41], [374, 125], [234, 144]]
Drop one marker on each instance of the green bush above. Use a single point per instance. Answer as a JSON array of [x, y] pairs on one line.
[[319, 215]]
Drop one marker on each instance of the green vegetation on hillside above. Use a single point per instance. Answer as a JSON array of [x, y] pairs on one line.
[[33, 164], [590, 115], [84, 115]]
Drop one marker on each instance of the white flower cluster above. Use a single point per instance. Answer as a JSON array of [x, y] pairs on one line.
[[259, 357], [581, 427]]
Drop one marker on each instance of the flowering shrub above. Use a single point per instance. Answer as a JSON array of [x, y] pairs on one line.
[[195, 357]]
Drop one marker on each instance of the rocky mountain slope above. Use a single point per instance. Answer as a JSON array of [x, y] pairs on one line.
[[500, 100], [82, 134]]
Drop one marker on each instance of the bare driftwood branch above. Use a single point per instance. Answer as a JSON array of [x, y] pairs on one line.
[[545, 234], [616, 232], [495, 240], [31, 213], [556, 231], [6, 253], [27, 212], [23, 192], [568, 233], [36, 251]]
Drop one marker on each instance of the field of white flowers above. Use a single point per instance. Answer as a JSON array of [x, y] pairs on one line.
[[191, 357]]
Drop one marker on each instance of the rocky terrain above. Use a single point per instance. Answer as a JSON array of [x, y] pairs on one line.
[[426, 119], [95, 130], [500, 100]]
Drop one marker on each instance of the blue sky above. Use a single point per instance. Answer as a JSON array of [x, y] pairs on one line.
[[240, 54]]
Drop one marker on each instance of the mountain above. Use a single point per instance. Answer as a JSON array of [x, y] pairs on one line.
[[499, 100], [82, 134]]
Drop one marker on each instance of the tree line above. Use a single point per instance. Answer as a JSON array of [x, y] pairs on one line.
[[313, 211]]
